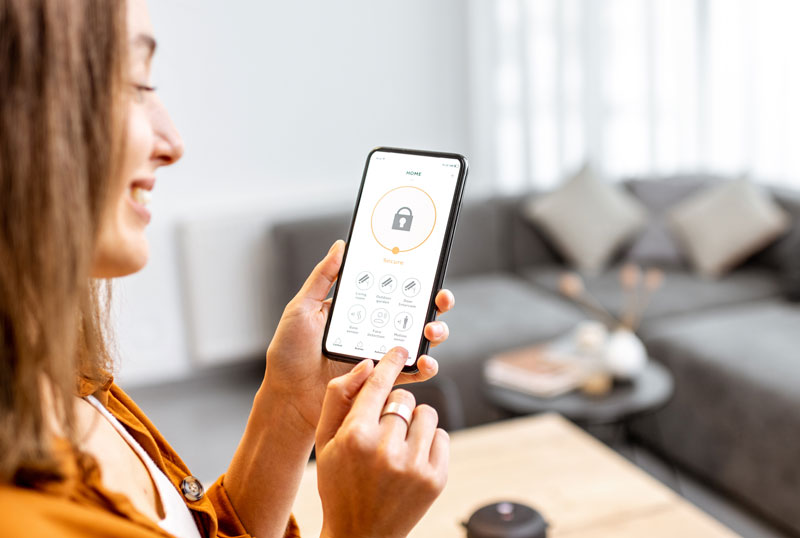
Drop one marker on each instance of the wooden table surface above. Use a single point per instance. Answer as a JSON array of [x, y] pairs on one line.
[[583, 488]]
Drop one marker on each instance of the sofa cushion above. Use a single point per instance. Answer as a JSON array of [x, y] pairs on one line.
[[734, 416], [723, 225], [656, 245], [480, 222], [783, 252], [682, 292], [588, 219], [299, 245], [526, 241], [494, 312]]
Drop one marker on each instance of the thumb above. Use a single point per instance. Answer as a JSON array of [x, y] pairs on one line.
[[339, 399], [322, 278]]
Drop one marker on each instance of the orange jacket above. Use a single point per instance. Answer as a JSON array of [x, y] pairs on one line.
[[80, 506]]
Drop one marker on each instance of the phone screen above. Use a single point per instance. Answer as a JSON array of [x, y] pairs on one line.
[[396, 244]]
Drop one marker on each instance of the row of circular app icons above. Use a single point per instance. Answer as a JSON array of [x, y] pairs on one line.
[[388, 283], [380, 317]]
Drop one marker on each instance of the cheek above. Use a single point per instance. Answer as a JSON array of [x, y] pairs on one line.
[[122, 246], [139, 142]]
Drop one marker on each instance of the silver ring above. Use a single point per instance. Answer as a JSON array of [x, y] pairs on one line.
[[399, 409]]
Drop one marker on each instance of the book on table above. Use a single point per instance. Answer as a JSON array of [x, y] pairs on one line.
[[539, 371]]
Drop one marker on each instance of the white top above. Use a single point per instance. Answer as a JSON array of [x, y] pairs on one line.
[[178, 519]]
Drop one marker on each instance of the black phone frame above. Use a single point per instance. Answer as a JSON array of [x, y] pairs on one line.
[[444, 254]]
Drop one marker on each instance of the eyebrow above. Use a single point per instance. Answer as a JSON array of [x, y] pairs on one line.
[[146, 41]]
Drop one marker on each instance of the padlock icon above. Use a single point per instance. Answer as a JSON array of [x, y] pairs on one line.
[[402, 220]]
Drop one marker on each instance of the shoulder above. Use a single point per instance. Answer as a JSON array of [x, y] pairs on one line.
[[26, 513], [32, 513]]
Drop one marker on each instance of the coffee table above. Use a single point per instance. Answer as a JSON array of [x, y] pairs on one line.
[[651, 390], [583, 488]]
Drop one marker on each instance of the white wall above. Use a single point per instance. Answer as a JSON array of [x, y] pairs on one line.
[[279, 103]]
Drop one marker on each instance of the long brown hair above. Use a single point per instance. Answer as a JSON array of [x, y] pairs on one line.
[[62, 66]]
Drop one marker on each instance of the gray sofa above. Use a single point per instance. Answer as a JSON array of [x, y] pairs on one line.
[[732, 344]]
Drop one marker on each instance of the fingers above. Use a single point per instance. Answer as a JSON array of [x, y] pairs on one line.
[[376, 389], [440, 455], [394, 428], [422, 430], [324, 275], [428, 368], [445, 301], [338, 400], [326, 306], [437, 332]]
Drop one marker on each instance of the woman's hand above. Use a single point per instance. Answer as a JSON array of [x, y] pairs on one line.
[[377, 475], [296, 367]]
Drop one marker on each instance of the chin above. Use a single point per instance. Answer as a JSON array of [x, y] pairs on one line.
[[125, 258]]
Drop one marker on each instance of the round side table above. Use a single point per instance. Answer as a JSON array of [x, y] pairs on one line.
[[650, 391]]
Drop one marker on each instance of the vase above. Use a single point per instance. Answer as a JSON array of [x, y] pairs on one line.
[[625, 354]]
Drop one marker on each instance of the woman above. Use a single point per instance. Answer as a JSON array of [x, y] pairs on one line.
[[82, 135]]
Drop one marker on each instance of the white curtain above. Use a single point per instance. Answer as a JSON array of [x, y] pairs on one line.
[[636, 88]]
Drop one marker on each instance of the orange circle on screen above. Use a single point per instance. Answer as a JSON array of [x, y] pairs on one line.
[[396, 250]]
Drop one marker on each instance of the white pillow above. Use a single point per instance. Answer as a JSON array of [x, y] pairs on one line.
[[723, 225], [587, 219]]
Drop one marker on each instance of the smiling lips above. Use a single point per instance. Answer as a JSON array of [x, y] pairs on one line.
[[141, 195], [141, 191]]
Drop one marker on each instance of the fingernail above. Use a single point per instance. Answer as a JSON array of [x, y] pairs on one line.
[[360, 367], [433, 364], [399, 350], [437, 330], [333, 246]]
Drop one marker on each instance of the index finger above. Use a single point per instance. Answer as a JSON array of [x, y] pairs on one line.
[[372, 396]]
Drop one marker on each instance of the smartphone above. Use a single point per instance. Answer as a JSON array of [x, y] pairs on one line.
[[396, 254]]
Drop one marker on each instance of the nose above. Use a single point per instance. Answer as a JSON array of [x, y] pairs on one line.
[[168, 147]]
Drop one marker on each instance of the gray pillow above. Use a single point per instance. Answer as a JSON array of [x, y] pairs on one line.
[[587, 219], [721, 226], [656, 246]]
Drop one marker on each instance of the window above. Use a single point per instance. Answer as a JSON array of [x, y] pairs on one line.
[[641, 88]]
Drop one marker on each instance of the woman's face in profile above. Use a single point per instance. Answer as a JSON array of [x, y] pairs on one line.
[[151, 141]]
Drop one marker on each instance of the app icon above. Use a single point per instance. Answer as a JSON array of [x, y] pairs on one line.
[[403, 321], [356, 314], [411, 287], [402, 219], [364, 280], [387, 284], [380, 317]]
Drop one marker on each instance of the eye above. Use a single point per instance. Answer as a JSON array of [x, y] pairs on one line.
[[141, 91]]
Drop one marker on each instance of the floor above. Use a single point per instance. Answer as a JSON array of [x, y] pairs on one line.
[[203, 419]]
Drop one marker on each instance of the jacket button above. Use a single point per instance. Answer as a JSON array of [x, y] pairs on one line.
[[192, 488]]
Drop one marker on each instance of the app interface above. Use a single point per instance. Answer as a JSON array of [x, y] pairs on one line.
[[393, 255]]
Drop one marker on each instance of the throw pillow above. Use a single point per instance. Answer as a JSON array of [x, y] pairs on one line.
[[721, 226], [587, 219], [656, 245]]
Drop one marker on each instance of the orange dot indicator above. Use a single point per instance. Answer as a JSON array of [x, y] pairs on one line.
[[395, 250]]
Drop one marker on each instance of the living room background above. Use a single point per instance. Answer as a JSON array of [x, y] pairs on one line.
[[280, 102], [638, 88], [292, 116]]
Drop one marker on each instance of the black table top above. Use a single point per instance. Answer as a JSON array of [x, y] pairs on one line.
[[650, 390]]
